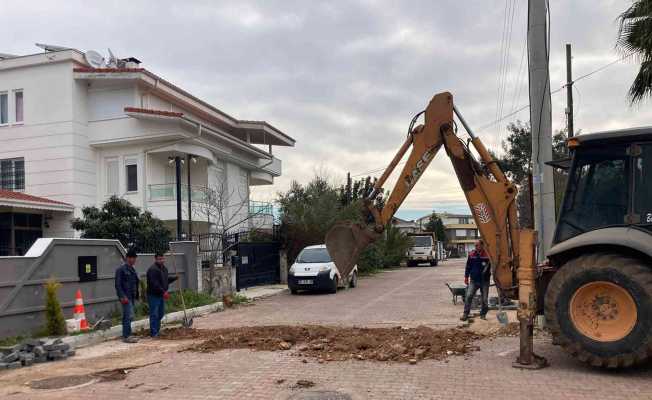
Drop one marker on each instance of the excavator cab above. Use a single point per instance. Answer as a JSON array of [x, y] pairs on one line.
[[598, 300]]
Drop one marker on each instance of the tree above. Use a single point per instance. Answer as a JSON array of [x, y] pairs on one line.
[[436, 226], [119, 219], [55, 325], [635, 37], [227, 209], [517, 164], [308, 212]]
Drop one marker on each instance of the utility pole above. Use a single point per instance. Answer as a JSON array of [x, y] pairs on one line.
[[189, 201], [177, 170], [541, 123], [569, 92]]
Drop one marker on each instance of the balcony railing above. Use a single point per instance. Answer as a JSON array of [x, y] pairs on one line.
[[167, 192], [260, 208]]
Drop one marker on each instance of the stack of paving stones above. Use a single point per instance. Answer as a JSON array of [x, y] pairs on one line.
[[33, 351]]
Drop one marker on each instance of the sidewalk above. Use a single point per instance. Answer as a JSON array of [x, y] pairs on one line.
[[260, 292]]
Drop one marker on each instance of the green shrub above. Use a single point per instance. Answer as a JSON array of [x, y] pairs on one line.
[[55, 324]]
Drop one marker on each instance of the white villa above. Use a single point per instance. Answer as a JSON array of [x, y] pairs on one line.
[[73, 134]]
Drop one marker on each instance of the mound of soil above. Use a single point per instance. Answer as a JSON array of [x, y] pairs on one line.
[[336, 343]]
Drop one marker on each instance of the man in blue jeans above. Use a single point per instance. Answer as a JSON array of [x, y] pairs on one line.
[[126, 287], [479, 271], [158, 281]]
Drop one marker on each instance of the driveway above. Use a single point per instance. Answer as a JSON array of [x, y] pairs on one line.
[[405, 297]]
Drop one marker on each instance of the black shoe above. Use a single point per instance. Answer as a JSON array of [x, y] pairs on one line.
[[464, 317], [483, 316]]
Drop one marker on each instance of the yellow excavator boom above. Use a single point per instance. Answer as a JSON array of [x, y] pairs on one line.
[[489, 193]]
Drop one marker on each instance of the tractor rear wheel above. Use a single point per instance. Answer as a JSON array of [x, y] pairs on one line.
[[599, 308]]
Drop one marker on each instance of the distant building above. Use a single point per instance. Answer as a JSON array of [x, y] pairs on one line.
[[461, 232], [405, 226]]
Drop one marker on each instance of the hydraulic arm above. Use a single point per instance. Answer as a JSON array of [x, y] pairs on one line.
[[489, 193]]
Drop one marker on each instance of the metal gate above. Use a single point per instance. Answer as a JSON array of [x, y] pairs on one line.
[[258, 264]]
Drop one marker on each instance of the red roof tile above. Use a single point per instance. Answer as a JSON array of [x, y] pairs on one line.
[[153, 112], [9, 195]]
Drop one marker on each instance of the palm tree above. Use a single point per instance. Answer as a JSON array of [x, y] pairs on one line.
[[635, 36]]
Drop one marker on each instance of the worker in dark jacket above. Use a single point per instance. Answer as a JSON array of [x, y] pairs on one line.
[[477, 275], [126, 287], [157, 292]]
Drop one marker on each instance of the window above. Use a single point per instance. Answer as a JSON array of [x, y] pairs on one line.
[[12, 174], [460, 233], [597, 193], [18, 105], [643, 191], [4, 108], [112, 176], [310, 256], [131, 169]]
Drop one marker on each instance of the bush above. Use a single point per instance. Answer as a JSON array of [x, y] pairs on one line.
[[55, 324], [388, 251]]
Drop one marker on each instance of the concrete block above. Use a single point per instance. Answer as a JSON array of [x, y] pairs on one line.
[[26, 356], [3, 366]]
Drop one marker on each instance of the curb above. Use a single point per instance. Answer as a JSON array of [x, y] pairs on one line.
[[114, 332]]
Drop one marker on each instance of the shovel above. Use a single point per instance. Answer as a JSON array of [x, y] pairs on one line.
[[187, 321], [501, 315]]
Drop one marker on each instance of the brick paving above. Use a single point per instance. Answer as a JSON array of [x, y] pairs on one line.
[[404, 297]]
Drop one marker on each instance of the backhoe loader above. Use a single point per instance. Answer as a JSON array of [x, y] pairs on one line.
[[595, 287]]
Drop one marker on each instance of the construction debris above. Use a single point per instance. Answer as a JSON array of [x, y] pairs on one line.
[[33, 351], [398, 344]]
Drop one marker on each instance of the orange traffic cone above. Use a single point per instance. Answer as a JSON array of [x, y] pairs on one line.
[[79, 313]]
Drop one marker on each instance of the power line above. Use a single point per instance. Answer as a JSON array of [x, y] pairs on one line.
[[518, 110]]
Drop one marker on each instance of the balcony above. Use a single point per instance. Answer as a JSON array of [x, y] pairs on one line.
[[168, 192]]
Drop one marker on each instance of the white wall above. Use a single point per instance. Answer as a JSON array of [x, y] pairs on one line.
[[52, 139]]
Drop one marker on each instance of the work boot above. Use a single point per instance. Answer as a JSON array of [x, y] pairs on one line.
[[464, 317], [130, 339], [483, 316]]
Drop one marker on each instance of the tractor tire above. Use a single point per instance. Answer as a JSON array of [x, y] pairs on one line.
[[599, 309]]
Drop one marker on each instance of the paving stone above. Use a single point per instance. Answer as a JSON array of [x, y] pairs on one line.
[[14, 365], [55, 355], [11, 357], [38, 351], [33, 342], [41, 359]]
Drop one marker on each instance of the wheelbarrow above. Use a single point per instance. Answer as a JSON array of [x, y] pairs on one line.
[[457, 291]]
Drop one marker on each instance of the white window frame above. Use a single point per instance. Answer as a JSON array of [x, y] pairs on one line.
[[131, 160], [6, 93], [15, 109]]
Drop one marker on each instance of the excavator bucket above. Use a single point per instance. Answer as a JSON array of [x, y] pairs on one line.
[[345, 241]]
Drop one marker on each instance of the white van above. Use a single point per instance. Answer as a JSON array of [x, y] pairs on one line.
[[424, 249], [314, 270]]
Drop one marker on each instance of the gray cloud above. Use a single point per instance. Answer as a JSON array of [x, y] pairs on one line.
[[344, 78]]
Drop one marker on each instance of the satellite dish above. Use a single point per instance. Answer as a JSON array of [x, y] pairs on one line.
[[94, 59], [113, 61]]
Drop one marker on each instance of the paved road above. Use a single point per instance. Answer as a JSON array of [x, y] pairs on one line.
[[406, 297]]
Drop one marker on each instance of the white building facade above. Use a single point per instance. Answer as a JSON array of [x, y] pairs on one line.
[[78, 135]]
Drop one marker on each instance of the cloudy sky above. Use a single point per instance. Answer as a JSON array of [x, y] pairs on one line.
[[345, 77]]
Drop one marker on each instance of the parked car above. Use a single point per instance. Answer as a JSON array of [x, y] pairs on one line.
[[424, 249], [314, 270]]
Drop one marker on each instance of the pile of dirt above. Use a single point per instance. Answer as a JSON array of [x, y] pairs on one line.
[[336, 343]]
